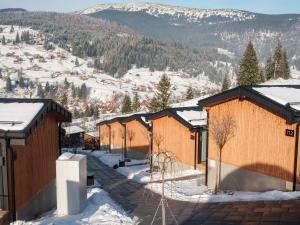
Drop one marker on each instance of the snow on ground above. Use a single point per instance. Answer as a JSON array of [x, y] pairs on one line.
[[194, 190], [190, 14], [226, 52], [40, 65], [100, 209], [186, 189], [138, 170]]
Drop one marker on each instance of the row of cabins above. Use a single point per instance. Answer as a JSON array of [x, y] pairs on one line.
[[138, 135], [262, 154]]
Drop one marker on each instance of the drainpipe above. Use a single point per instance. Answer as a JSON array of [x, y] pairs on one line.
[[59, 139], [151, 147], [195, 150], [296, 158], [207, 148], [125, 142]]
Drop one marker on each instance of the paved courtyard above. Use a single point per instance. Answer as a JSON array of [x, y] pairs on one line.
[[141, 202]]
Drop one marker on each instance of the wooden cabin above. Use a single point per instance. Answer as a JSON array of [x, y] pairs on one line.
[[181, 131], [138, 138], [112, 132], [30, 145], [73, 137], [263, 152], [91, 140]]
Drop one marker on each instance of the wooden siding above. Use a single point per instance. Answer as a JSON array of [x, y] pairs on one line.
[[103, 135], [117, 131], [176, 138], [260, 143], [35, 163], [90, 141], [140, 140]]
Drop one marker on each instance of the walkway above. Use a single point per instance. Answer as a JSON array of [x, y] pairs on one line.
[[141, 202]]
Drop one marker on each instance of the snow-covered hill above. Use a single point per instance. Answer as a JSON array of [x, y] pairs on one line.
[[190, 14], [38, 65]]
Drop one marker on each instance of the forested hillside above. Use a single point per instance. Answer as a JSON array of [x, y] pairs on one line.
[[116, 48]]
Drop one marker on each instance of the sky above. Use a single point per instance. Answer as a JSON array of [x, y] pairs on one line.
[[261, 6]]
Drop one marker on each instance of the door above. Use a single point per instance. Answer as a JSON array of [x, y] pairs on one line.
[[202, 147]]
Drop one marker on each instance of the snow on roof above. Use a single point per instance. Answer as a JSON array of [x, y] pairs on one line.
[[17, 116], [283, 95], [73, 130], [93, 133], [188, 103], [193, 116]]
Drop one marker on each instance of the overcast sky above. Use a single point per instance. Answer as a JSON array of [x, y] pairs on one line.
[[263, 6]]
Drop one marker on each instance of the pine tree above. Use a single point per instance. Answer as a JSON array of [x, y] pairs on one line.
[[76, 113], [3, 40], [66, 83], [8, 86], [269, 69], [249, 72], [17, 38], [31, 84], [64, 99], [126, 104], [40, 91], [47, 87], [96, 113], [76, 62], [277, 60], [136, 105], [83, 92], [189, 93], [162, 96], [12, 29], [21, 81], [284, 65], [73, 91], [226, 83]]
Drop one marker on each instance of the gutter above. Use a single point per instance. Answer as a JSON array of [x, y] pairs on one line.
[[296, 158]]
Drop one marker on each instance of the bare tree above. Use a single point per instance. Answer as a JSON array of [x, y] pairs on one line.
[[158, 139], [164, 161], [130, 134], [222, 130], [148, 135]]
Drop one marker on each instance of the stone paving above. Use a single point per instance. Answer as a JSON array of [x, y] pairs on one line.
[[142, 203]]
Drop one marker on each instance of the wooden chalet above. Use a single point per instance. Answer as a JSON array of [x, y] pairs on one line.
[[138, 138], [73, 137], [91, 140], [29, 147], [263, 152], [181, 131]]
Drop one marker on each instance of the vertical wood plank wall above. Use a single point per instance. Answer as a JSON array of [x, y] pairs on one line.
[[116, 135], [140, 139], [35, 163], [260, 143], [176, 138], [103, 133]]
